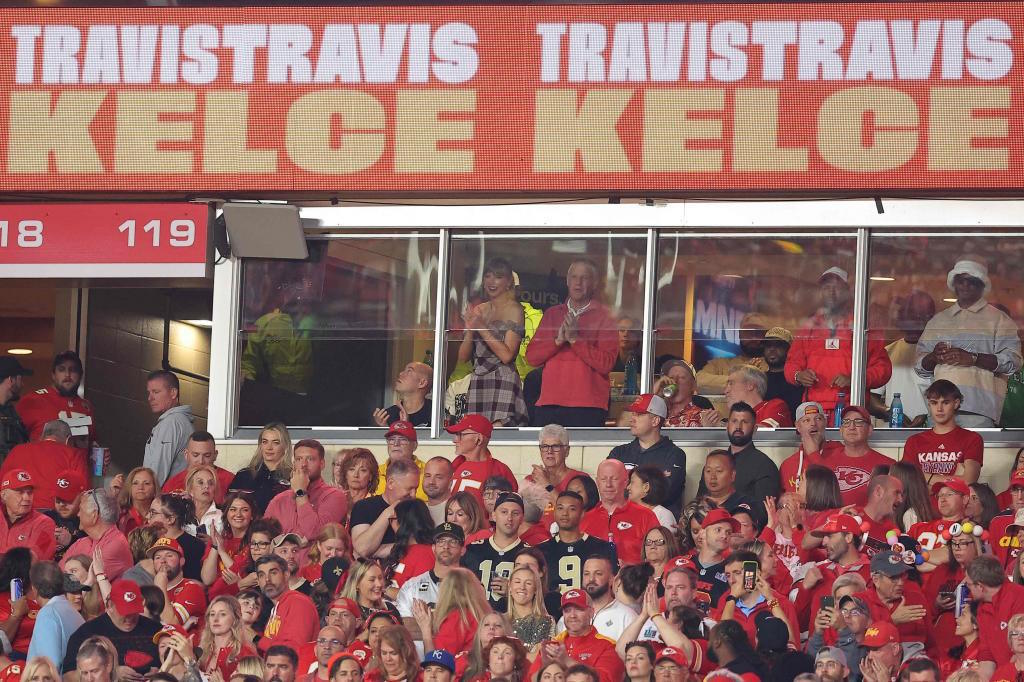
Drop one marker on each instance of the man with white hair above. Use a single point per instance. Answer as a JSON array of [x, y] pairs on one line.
[[973, 344], [97, 517], [616, 519], [747, 384], [20, 524]]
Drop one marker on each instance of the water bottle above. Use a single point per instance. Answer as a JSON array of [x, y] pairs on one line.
[[837, 417], [896, 416], [631, 387]]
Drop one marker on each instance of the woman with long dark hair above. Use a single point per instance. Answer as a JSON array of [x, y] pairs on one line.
[[239, 572], [232, 545], [965, 654], [982, 504], [639, 662], [917, 502], [494, 330], [413, 550]]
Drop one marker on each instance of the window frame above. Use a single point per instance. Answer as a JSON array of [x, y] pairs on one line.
[[652, 219]]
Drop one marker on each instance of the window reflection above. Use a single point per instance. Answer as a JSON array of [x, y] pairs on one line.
[[354, 314]]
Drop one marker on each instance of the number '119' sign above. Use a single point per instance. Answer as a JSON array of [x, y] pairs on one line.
[[103, 240]]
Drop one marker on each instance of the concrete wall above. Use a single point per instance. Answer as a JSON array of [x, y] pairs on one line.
[[520, 458]]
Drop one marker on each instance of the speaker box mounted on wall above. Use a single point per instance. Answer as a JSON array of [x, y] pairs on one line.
[[265, 231]]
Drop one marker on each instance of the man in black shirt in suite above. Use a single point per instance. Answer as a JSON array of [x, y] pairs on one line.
[[125, 626], [777, 341]]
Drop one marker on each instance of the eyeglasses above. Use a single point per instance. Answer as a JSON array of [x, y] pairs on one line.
[[447, 542], [849, 613], [552, 448], [853, 422], [325, 642], [655, 542], [1017, 634], [154, 512], [961, 545], [259, 545]]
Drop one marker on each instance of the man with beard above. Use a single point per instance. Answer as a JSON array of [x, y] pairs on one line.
[[60, 401], [830, 665], [289, 606], [748, 384], [12, 429], [841, 536], [893, 598], [913, 313], [184, 599], [611, 616], [757, 476], [281, 664], [777, 341], [449, 547], [885, 496], [125, 626], [436, 484], [821, 357], [649, 446], [310, 503], [289, 547]]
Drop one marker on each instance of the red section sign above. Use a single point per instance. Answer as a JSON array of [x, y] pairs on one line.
[[609, 98], [103, 240]]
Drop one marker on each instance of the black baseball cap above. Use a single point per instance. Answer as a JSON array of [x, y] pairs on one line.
[[451, 530], [10, 367]]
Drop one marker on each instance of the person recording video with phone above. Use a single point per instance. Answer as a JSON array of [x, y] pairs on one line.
[[750, 594]]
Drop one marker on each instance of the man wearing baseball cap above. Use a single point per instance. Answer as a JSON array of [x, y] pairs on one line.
[[671, 665], [124, 624], [449, 547], [68, 487], [411, 386], [841, 539], [401, 441], [810, 423], [951, 498], [12, 429], [854, 460], [649, 446], [891, 597], [777, 341], [473, 463], [344, 614], [830, 665], [184, 599], [615, 518], [821, 357], [946, 450], [438, 666], [20, 524], [716, 528], [490, 557], [45, 458], [884, 653], [973, 344], [580, 642]]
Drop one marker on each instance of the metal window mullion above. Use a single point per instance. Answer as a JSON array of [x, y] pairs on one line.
[[860, 319], [440, 333], [650, 289]]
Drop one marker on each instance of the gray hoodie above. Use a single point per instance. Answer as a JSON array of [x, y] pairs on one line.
[[166, 445]]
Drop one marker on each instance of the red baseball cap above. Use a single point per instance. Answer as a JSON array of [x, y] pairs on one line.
[[17, 479], [1017, 478], [720, 516], [837, 523], [880, 633], [12, 673], [347, 604], [473, 422], [649, 402], [402, 428], [360, 651], [957, 485], [70, 485], [859, 410], [674, 655], [577, 598], [127, 598], [168, 630], [165, 543], [681, 561]]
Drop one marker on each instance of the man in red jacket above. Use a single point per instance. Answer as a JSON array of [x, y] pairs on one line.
[[293, 620], [580, 643], [999, 599], [821, 357], [20, 524], [901, 602], [577, 344], [616, 519]]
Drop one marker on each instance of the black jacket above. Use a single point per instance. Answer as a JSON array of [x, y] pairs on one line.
[[665, 455]]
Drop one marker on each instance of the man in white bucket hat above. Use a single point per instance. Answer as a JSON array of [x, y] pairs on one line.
[[973, 344]]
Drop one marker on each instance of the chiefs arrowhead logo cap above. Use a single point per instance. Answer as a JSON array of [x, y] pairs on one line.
[[125, 596], [17, 479], [577, 598], [70, 484]]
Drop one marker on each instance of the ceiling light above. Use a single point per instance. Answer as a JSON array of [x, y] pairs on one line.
[[205, 324], [880, 278], [732, 276], [20, 351], [949, 300]]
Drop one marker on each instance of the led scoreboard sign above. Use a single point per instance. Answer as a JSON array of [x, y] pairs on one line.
[[103, 240]]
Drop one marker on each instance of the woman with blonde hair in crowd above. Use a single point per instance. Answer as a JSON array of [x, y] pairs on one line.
[[530, 619], [40, 669], [365, 586], [461, 604], [225, 639], [1014, 668], [397, 657], [465, 510], [135, 497], [356, 472], [203, 489], [332, 541], [270, 469], [96, 660], [469, 666], [79, 566], [251, 665]]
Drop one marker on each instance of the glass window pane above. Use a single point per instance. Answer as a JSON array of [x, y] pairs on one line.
[[949, 308], [515, 374], [350, 317], [717, 296]]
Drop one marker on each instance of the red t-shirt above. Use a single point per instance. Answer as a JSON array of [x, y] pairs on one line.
[[418, 559], [854, 473], [773, 413], [470, 476], [23, 635], [1007, 672], [936, 454], [455, 635], [188, 598], [626, 528], [993, 618]]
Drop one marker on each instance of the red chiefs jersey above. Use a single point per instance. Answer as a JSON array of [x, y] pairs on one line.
[[592, 650], [854, 473], [773, 413], [188, 598], [418, 559], [23, 635], [470, 476], [941, 454], [929, 533], [1005, 546], [626, 528], [46, 404]]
